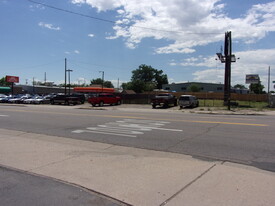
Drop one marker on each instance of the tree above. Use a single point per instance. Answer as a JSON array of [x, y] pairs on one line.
[[99, 81], [194, 88], [3, 82], [257, 88], [239, 86], [146, 78]]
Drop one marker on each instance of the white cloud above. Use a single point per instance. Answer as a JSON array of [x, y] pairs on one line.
[[48, 26], [72, 52], [183, 22], [91, 35], [250, 62]]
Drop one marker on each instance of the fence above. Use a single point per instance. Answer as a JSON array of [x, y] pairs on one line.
[[145, 98]]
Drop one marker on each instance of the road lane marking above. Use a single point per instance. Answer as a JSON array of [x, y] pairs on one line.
[[83, 131], [144, 118], [127, 127], [118, 130], [3, 115]]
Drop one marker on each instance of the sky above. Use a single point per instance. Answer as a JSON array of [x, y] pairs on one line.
[[180, 37]]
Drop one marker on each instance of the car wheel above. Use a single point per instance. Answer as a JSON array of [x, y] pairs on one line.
[[154, 106]]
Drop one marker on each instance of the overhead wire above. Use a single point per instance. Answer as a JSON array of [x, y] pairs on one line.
[[114, 22]]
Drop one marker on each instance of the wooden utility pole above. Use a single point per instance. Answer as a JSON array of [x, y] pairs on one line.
[[227, 58], [227, 75]]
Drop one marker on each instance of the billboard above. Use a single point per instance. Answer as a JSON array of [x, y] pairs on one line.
[[12, 79], [252, 79]]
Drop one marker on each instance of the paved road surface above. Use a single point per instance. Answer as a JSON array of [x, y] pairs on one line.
[[242, 139], [21, 189]]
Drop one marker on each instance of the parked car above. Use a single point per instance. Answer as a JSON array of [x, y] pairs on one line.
[[104, 98], [3, 97], [188, 101], [19, 99], [65, 99], [44, 100], [81, 96], [164, 100]]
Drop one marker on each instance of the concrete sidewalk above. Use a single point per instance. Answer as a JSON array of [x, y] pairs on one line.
[[137, 176]]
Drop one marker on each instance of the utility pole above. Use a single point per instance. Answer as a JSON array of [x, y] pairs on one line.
[[102, 80], [45, 78], [65, 76], [268, 86], [33, 85], [227, 58]]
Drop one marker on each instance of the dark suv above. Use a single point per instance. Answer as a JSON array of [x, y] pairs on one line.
[[81, 96], [65, 99]]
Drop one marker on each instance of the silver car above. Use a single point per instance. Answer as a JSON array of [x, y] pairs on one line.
[[188, 101]]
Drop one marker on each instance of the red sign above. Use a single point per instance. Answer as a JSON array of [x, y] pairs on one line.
[[13, 79]]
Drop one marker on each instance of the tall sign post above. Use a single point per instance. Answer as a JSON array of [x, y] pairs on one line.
[[227, 58], [12, 80]]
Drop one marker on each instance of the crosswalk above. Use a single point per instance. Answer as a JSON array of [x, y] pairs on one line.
[[128, 127]]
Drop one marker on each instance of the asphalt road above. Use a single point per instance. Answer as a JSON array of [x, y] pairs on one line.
[[236, 138], [22, 189]]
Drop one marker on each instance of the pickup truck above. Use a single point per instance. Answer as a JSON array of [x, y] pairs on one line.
[[164, 100], [66, 99]]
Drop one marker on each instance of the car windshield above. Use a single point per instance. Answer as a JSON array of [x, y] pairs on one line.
[[185, 98]]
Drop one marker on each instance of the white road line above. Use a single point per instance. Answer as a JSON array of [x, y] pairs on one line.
[[128, 127], [82, 131], [145, 121], [113, 130], [125, 128], [2, 115], [146, 127]]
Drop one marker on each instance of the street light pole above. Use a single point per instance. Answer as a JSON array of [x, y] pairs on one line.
[[69, 70], [65, 76]]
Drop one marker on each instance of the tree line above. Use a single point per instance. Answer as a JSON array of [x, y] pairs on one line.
[[145, 78]]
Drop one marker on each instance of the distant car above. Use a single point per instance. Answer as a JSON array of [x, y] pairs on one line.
[[81, 96], [188, 101], [44, 100], [104, 98], [3, 97], [65, 99], [164, 100], [18, 99], [34, 100]]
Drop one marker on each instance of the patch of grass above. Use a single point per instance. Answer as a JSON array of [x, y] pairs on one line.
[[259, 106]]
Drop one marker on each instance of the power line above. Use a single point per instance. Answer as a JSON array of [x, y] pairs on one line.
[[113, 22]]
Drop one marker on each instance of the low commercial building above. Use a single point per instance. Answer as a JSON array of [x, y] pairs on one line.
[[186, 87], [202, 87]]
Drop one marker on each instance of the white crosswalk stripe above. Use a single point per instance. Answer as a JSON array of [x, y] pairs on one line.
[[127, 127]]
